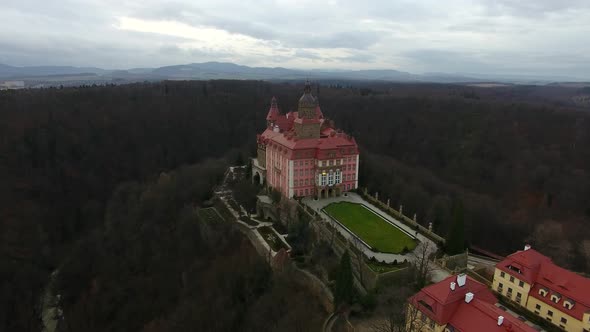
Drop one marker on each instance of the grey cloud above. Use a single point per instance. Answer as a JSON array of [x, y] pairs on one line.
[[345, 39], [457, 36], [531, 8]]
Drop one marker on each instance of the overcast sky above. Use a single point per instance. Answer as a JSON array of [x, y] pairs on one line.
[[533, 37]]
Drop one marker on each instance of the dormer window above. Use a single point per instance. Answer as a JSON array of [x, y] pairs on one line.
[[543, 292], [515, 269], [568, 303], [555, 297]]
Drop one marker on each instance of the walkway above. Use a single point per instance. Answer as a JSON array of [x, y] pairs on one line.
[[317, 206]]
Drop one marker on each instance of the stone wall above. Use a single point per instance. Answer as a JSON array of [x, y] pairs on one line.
[[400, 216], [307, 130], [455, 264], [318, 289]]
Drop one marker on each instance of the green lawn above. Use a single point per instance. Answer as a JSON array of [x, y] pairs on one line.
[[375, 231]]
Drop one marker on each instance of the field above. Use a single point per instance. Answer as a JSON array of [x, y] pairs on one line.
[[371, 228]]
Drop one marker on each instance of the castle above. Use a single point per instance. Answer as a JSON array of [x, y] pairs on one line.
[[300, 153]]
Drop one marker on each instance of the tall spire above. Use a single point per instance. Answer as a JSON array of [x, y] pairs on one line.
[[307, 88]]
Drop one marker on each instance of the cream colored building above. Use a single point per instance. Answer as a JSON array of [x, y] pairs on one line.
[[533, 281]]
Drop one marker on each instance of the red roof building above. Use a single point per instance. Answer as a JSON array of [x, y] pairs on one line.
[[533, 281], [301, 154], [460, 304]]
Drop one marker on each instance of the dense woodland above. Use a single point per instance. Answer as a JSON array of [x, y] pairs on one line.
[[84, 189]]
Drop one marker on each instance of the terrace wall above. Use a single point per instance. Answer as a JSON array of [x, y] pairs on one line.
[[408, 221], [365, 278]]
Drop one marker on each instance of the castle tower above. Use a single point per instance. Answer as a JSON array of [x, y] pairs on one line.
[[307, 124]]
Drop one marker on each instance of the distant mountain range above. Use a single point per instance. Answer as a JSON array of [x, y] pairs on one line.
[[53, 75]]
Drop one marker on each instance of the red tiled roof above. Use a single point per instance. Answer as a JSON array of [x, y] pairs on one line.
[[539, 271], [273, 111], [449, 307], [528, 262], [482, 316], [446, 300]]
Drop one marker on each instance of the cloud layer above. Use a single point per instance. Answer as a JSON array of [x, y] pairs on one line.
[[532, 37]]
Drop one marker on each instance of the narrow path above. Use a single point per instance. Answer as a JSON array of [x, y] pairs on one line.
[[49, 308]]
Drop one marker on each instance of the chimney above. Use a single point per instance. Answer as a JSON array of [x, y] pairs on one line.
[[500, 320], [453, 284], [461, 279], [468, 297], [527, 247]]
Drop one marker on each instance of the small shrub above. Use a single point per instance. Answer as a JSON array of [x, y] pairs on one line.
[[395, 262]]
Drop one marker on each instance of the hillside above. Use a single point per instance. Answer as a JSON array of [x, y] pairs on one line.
[[517, 161]]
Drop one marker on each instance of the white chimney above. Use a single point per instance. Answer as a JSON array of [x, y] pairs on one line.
[[468, 297], [276, 129], [453, 284], [500, 320], [461, 279], [527, 247]]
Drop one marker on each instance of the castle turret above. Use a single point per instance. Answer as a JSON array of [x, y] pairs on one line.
[[273, 113]]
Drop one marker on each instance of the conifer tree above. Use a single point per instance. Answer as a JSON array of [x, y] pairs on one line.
[[343, 290], [456, 239]]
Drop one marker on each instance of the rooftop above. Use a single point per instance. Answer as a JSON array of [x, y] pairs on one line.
[[538, 270], [446, 305]]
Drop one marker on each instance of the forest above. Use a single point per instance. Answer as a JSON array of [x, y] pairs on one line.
[[97, 179]]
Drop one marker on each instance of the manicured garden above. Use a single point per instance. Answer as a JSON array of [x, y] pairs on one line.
[[371, 228], [272, 238]]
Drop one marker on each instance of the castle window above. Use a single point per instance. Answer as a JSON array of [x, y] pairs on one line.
[[331, 178], [555, 297], [306, 181], [538, 307], [338, 177], [549, 313], [502, 274], [521, 283], [511, 279], [563, 320]]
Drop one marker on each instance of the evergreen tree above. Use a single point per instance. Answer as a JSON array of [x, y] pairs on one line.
[[343, 289], [456, 239]]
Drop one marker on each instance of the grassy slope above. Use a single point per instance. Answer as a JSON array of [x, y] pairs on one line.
[[375, 231]]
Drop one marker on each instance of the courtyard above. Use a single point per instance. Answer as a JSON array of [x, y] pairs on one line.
[[371, 228]]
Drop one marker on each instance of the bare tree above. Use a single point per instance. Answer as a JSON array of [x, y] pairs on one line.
[[403, 317], [421, 263], [359, 246]]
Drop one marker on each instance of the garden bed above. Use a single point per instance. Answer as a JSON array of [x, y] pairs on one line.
[[248, 221], [272, 238]]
